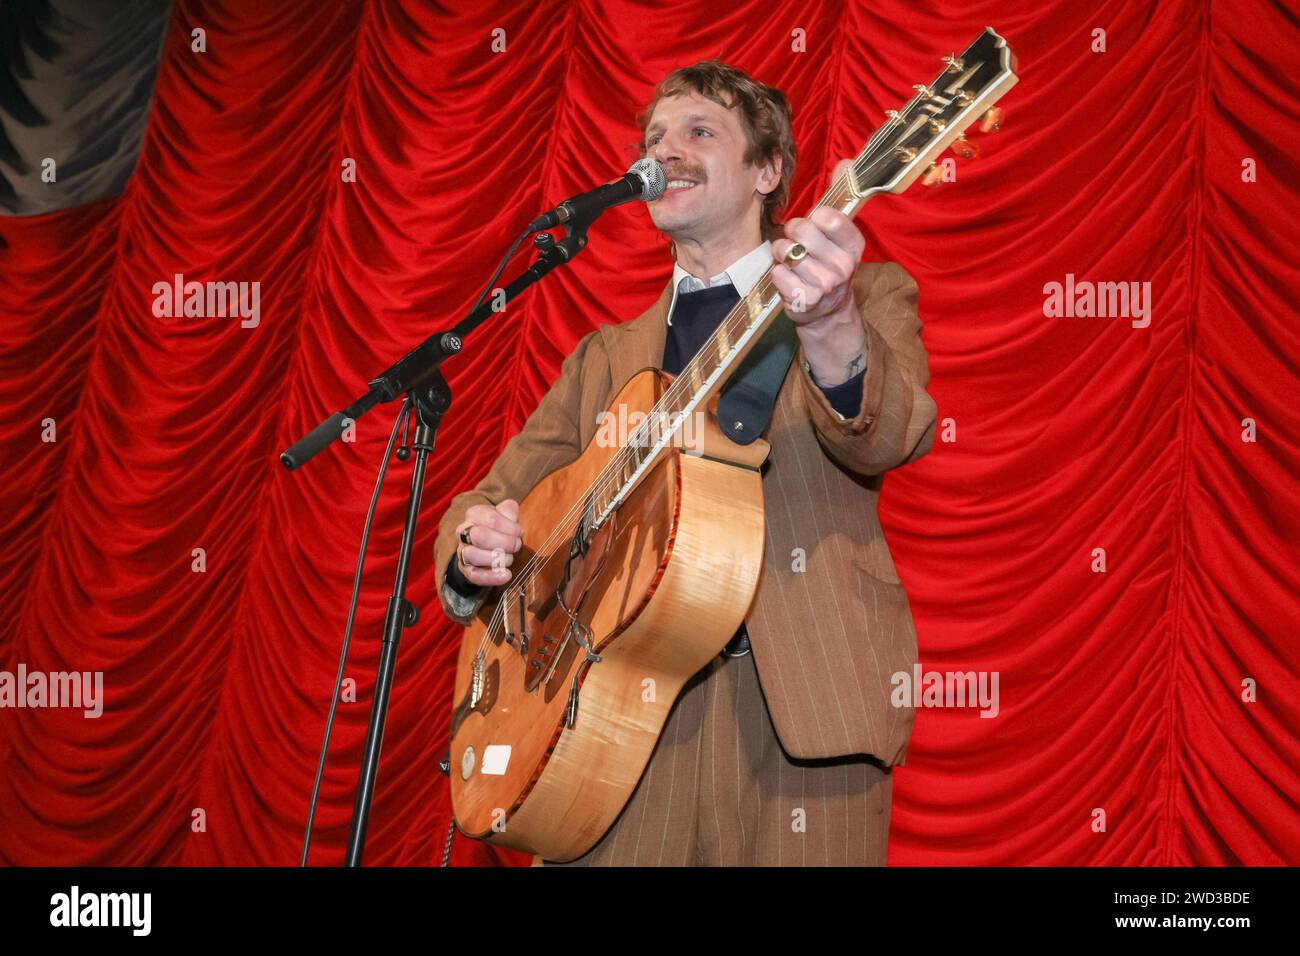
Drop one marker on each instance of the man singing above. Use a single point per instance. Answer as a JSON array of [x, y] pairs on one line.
[[779, 751]]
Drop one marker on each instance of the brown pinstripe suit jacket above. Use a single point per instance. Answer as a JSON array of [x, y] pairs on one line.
[[830, 623]]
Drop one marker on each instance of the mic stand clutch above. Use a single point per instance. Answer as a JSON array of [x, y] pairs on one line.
[[419, 377]]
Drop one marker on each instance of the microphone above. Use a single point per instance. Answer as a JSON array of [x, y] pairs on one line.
[[644, 180]]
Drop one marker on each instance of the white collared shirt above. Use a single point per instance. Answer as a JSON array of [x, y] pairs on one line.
[[744, 274]]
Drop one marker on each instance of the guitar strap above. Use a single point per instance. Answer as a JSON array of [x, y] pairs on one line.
[[746, 402]]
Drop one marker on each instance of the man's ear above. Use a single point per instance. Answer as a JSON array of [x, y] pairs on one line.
[[769, 175]]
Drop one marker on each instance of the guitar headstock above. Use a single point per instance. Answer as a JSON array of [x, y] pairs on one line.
[[912, 139]]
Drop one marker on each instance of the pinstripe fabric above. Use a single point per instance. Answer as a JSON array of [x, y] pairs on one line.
[[830, 623], [720, 791]]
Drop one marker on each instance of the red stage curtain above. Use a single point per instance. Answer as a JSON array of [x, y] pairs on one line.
[[1120, 690]]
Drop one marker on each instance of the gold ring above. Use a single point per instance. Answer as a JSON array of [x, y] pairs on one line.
[[797, 252]]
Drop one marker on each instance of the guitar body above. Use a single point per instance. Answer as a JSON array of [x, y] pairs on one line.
[[661, 587]]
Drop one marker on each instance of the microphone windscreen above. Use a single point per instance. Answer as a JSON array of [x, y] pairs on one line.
[[653, 179]]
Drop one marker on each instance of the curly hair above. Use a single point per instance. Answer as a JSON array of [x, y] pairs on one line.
[[765, 116]]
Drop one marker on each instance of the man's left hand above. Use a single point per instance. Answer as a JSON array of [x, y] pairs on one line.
[[818, 292], [820, 285]]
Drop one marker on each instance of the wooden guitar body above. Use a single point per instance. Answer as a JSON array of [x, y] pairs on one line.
[[662, 587]]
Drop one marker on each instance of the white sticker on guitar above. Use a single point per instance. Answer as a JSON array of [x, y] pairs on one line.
[[495, 759]]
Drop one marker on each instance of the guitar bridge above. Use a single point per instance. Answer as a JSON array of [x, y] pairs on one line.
[[515, 617]]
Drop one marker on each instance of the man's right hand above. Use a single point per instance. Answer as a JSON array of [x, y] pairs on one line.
[[495, 535]]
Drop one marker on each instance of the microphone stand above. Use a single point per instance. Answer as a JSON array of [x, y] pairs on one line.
[[419, 377]]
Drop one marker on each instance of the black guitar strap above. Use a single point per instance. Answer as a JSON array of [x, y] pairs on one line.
[[746, 403]]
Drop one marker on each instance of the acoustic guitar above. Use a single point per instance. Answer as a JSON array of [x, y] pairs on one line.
[[641, 558]]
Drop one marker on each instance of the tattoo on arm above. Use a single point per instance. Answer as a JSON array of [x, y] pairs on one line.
[[856, 364]]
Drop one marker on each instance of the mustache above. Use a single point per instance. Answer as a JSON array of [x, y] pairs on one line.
[[681, 172]]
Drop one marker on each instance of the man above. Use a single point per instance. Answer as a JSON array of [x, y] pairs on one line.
[[778, 752]]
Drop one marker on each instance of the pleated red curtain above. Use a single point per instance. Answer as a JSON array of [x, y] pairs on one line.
[[1161, 690]]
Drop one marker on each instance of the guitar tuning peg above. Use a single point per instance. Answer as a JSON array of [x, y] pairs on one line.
[[991, 121], [965, 148], [933, 176]]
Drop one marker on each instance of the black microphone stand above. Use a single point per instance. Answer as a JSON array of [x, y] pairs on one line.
[[418, 376]]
